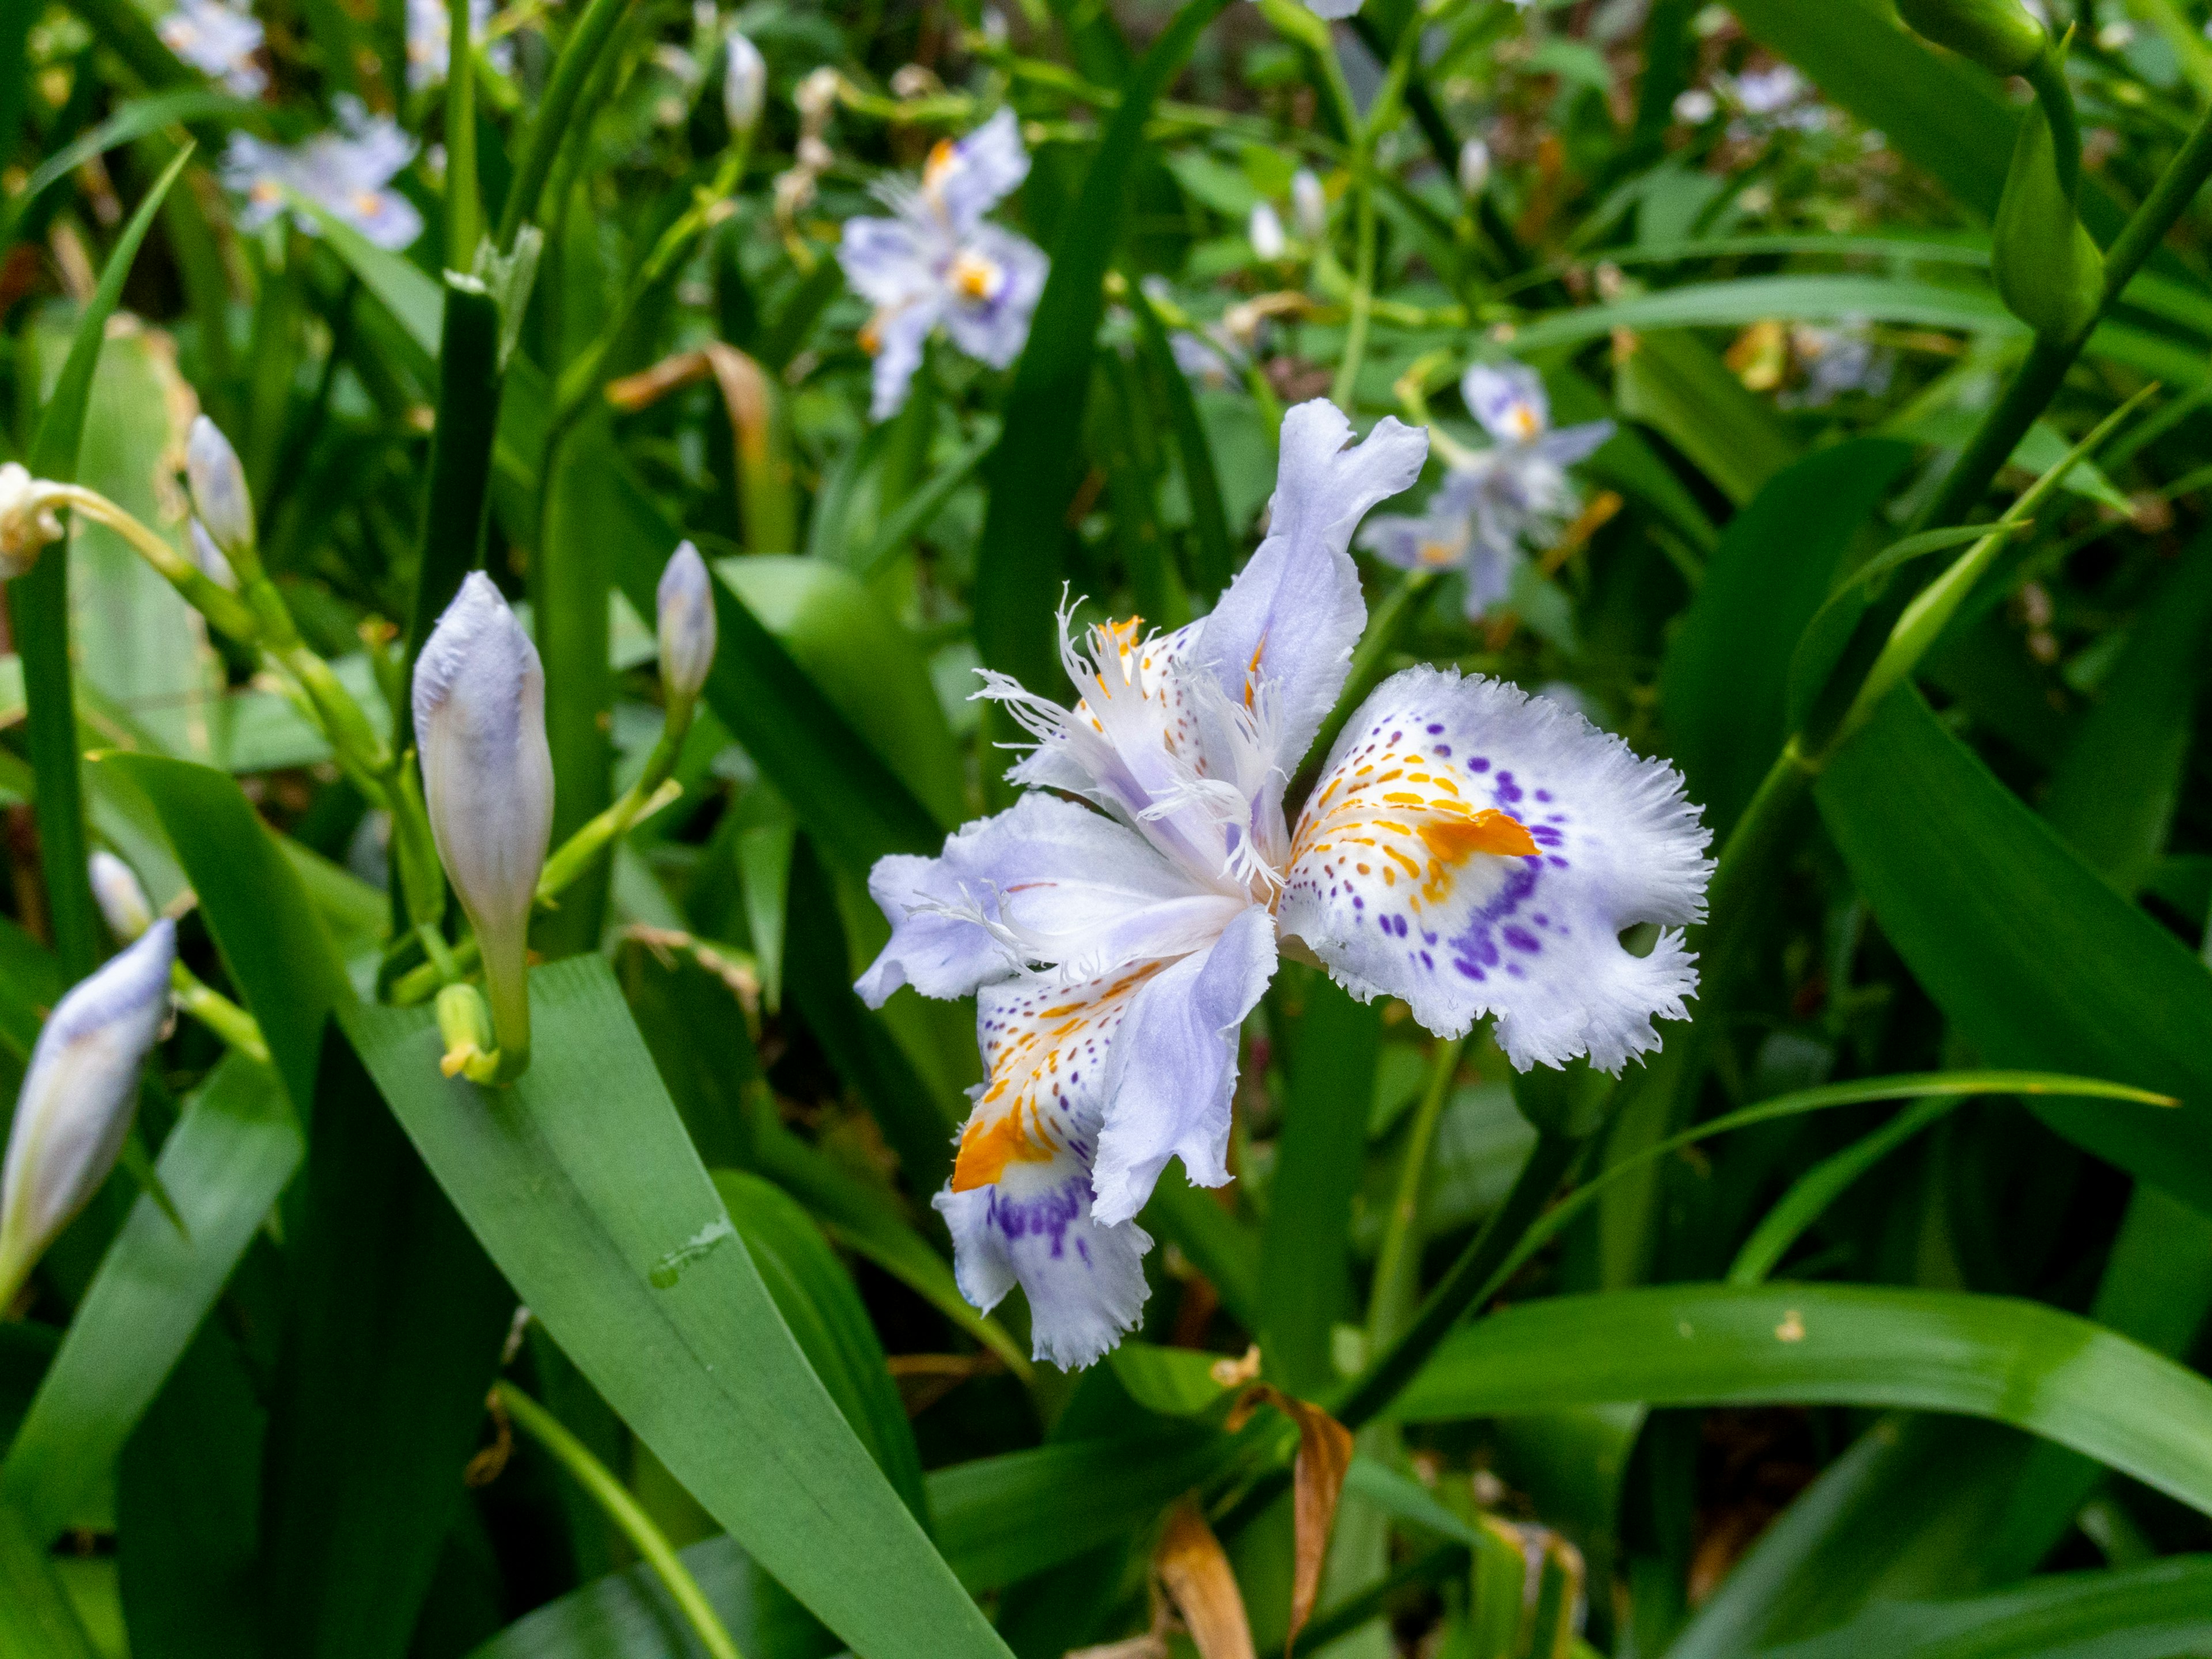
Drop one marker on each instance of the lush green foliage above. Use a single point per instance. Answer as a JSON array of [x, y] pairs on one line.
[[1867, 1314]]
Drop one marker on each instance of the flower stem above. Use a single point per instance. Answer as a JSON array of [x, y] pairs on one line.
[[217, 1012], [624, 1510], [1398, 1265]]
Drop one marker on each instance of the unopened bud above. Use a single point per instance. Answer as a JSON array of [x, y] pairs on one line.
[[1473, 168], [2048, 271], [687, 624], [122, 900], [26, 524], [816, 96], [487, 779], [1265, 232], [219, 492], [744, 84], [1998, 34], [77, 1098], [472, 1050], [210, 560], [1309, 205]]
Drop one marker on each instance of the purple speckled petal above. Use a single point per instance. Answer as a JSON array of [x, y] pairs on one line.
[[1386, 889], [1047, 881], [1173, 1067], [1084, 1281], [1508, 399], [1294, 612]]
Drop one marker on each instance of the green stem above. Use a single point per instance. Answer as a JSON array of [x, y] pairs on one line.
[[1398, 1265], [573, 69], [217, 1012], [464, 207], [1470, 1282], [624, 1510], [1362, 286], [2047, 74]]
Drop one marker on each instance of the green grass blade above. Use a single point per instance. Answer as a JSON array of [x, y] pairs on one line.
[[37, 1619], [38, 613], [224, 1164], [2013, 1362], [582, 1183]]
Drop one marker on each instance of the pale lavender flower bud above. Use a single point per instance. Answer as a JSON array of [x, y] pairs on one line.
[[122, 900], [487, 773], [687, 624], [77, 1098], [219, 492], [210, 560], [1309, 205], [744, 84], [1264, 233], [1473, 168]]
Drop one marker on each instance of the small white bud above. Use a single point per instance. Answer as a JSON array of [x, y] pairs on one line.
[[25, 526], [744, 84], [210, 560], [1308, 206], [77, 1098], [219, 492], [1473, 168], [687, 624], [816, 96], [1696, 107], [487, 773], [1265, 232], [122, 900]]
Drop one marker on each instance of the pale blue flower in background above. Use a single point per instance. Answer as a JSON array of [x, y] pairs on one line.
[[1264, 230], [936, 260], [123, 903], [347, 173], [219, 40], [1115, 948], [430, 42], [1494, 502]]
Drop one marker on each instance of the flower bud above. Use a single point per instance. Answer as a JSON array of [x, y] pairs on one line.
[[122, 900], [1265, 232], [26, 525], [1998, 34], [219, 492], [2048, 271], [210, 560], [1309, 205], [687, 625], [1473, 168], [465, 1024], [78, 1098], [487, 779], [745, 85]]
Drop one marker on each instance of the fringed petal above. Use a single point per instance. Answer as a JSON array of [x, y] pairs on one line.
[[883, 261], [1475, 850], [1045, 882], [963, 181], [1172, 1068], [1294, 612], [1084, 1281], [896, 336]]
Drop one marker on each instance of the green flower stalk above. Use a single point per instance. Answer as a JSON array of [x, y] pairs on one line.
[[1998, 34]]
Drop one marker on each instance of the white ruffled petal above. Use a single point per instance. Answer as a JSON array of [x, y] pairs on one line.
[[897, 337], [963, 181], [1294, 612], [1408, 878], [991, 324], [1085, 1281], [1172, 1069], [1045, 882]]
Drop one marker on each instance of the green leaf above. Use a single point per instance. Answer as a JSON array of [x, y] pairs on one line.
[[1725, 677], [1305, 1283], [2014, 1362], [274, 945], [2115, 791], [460, 455], [2035, 961], [1811, 1193], [37, 1620], [816, 1297], [406, 290], [1214, 563], [1673, 383], [1225, 1249], [2131, 1612], [223, 1166], [1034, 473], [581, 1182], [629, 1615], [132, 119], [38, 611]]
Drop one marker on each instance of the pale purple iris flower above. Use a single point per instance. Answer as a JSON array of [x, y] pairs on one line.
[[1494, 502], [347, 173], [1467, 848], [430, 42], [936, 260], [219, 40]]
